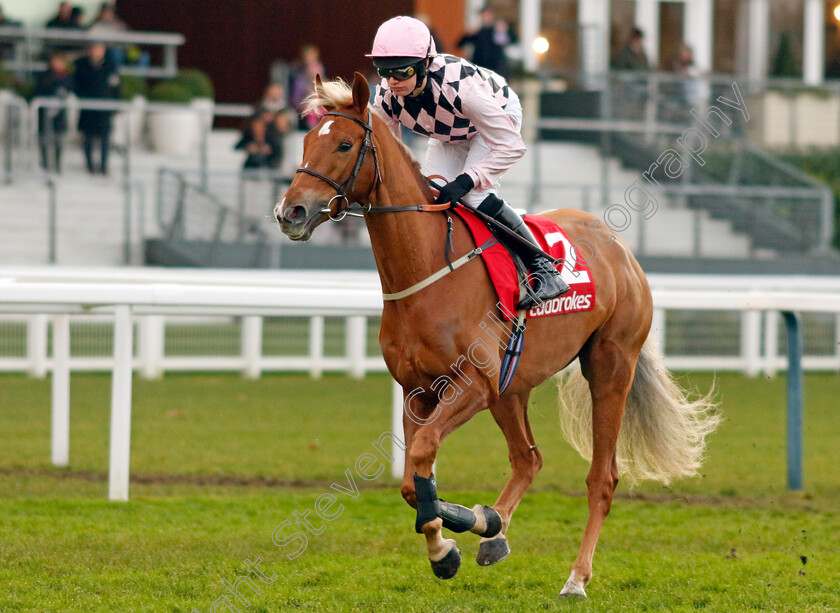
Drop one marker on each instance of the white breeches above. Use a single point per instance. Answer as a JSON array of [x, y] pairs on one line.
[[451, 159]]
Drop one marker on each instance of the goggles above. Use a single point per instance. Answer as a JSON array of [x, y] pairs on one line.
[[400, 74]]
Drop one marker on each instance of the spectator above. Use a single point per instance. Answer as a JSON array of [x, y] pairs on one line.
[[832, 67], [427, 21], [7, 50], [107, 19], [64, 18], [632, 56], [96, 77], [107, 22], [683, 61], [77, 17], [274, 102], [54, 82], [302, 83], [67, 18], [489, 42], [694, 90], [261, 141], [274, 98]]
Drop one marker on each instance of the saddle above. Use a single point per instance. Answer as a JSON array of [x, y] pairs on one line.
[[507, 272]]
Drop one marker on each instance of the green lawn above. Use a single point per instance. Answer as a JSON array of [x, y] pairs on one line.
[[220, 462]]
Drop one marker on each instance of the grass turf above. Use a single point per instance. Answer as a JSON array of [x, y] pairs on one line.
[[732, 539]]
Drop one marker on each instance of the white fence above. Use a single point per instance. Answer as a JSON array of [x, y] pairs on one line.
[[702, 336], [146, 298]]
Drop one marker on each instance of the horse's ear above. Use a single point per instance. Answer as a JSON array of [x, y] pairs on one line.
[[319, 86], [320, 92], [361, 92]]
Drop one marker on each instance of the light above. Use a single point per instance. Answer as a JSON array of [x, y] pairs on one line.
[[837, 12], [540, 45]]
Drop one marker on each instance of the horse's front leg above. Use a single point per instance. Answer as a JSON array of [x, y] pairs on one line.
[[417, 410], [434, 514]]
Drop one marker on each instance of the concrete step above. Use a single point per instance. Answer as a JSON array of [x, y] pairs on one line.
[[90, 222], [682, 233]]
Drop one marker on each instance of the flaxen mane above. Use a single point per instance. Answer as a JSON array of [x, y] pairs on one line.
[[330, 95], [336, 94]]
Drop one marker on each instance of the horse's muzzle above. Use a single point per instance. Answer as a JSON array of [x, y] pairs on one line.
[[295, 221]]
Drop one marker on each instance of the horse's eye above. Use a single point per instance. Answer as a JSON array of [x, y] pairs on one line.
[[345, 146]]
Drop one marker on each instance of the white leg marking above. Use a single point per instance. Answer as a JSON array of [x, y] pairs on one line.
[[438, 546], [480, 520], [572, 587]]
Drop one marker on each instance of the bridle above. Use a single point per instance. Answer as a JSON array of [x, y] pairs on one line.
[[343, 189], [360, 210]]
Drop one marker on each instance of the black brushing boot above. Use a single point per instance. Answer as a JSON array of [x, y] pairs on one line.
[[547, 282]]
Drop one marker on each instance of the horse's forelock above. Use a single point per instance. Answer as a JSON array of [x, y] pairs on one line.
[[338, 94], [330, 95]]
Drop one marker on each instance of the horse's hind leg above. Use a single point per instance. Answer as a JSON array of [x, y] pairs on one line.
[[511, 415], [609, 369]]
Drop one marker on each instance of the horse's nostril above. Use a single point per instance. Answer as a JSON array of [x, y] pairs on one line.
[[295, 213]]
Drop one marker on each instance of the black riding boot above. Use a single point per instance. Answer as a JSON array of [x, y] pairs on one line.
[[547, 283]]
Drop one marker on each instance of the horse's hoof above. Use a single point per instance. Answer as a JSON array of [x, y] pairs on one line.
[[492, 550], [448, 565], [573, 589]]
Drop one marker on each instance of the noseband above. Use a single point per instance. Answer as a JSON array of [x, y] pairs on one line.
[[344, 189]]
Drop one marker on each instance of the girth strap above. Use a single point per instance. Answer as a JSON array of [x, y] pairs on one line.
[[440, 273]]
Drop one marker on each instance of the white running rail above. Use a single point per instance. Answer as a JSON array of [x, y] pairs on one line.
[[146, 296]]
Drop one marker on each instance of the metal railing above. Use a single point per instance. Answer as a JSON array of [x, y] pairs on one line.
[[780, 207], [19, 149], [13, 121], [204, 113], [133, 215], [666, 96], [188, 209], [645, 117], [28, 43], [774, 204]]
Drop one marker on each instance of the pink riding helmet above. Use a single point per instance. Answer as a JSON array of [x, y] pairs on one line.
[[403, 37]]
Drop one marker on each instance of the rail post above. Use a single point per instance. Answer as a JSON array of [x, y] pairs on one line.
[[60, 444], [118, 474], [794, 401]]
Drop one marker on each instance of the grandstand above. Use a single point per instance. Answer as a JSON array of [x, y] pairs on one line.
[[591, 137], [247, 372]]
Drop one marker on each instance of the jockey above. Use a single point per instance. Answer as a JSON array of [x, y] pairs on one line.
[[472, 118]]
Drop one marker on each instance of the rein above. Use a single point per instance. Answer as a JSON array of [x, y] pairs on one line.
[[356, 209]]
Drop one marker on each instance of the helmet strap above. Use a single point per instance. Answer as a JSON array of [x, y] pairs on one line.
[[421, 72], [422, 65]]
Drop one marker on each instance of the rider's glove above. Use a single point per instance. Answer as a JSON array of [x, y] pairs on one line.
[[453, 191]]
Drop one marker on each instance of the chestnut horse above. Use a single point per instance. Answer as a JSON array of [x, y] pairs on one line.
[[351, 156]]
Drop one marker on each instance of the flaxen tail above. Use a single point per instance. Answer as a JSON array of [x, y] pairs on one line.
[[663, 433]]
